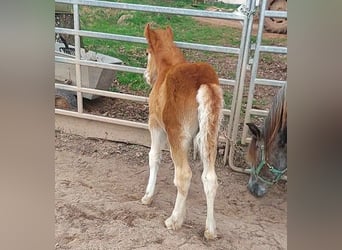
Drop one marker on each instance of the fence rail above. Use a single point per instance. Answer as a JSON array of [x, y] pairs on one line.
[[158, 9], [258, 48], [124, 38], [78, 62], [238, 84]]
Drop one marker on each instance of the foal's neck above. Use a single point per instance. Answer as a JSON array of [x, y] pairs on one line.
[[166, 59]]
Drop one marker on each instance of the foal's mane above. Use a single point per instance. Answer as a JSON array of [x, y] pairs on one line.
[[276, 121]]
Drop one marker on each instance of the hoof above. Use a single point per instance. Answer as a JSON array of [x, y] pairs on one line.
[[210, 235], [173, 224], [146, 200]]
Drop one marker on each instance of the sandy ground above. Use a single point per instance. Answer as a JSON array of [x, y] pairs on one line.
[[99, 185]]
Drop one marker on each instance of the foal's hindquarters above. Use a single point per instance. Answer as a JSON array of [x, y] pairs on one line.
[[191, 113]]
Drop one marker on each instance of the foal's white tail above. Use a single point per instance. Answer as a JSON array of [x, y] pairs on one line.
[[210, 102]]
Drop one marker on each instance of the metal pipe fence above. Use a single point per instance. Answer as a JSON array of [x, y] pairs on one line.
[[241, 73], [238, 83], [157, 9], [78, 62], [258, 48]]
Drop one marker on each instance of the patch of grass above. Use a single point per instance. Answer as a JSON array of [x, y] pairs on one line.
[[134, 54], [188, 4], [113, 89], [186, 29], [281, 41], [268, 58], [253, 39], [131, 54], [134, 81], [231, 75], [227, 97], [259, 103]]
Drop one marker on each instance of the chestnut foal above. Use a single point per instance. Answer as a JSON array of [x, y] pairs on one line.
[[185, 101]]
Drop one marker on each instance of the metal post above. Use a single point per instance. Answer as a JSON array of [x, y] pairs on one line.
[[77, 59], [254, 70], [240, 84], [235, 91]]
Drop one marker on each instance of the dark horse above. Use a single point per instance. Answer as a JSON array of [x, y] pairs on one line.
[[267, 152]]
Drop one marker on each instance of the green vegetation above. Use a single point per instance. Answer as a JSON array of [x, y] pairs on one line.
[[136, 81], [132, 23], [190, 4], [133, 54], [227, 97], [266, 57]]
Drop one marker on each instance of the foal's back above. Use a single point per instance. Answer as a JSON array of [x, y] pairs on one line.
[[191, 75], [181, 87]]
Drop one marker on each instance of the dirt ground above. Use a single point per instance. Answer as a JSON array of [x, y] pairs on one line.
[[99, 185]]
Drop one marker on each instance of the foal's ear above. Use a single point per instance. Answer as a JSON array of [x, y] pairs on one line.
[[169, 31], [150, 35], [254, 129], [147, 31]]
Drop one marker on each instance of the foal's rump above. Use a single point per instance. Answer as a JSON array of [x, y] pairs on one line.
[[193, 105], [186, 84]]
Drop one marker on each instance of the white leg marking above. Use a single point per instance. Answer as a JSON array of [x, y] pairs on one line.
[[157, 140], [206, 142], [176, 219], [209, 180]]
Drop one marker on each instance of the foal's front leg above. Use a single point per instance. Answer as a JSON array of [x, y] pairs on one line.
[[157, 141]]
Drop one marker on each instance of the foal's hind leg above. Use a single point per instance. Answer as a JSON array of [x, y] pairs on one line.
[[157, 142], [209, 180], [182, 181]]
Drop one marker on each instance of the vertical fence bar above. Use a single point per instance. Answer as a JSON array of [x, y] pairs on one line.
[[238, 75], [237, 108], [254, 71], [78, 58]]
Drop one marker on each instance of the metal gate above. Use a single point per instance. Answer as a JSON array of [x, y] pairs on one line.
[[254, 54], [123, 130]]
